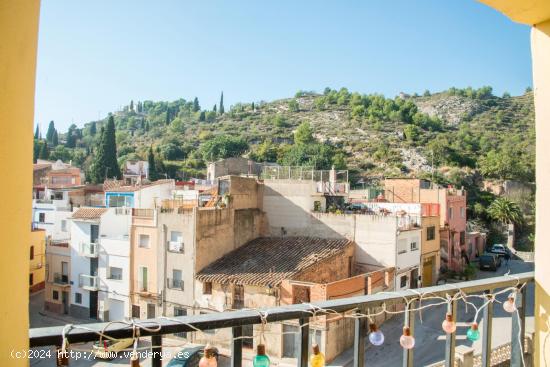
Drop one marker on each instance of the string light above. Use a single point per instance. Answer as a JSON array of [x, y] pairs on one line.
[[376, 336], [317, 358], [209, 357], [473, 332], [510, 304], [407, 340], [261, 359], [449, 325]]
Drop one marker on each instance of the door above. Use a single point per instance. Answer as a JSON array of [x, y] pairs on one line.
[[427, 271], [93, 305], [94, 233], [116, 309], [414, 278], [142, 279], [136, 311], [178, 311], [93, 266], [65, 272], [65, 302], [290, 341], [151, 310]]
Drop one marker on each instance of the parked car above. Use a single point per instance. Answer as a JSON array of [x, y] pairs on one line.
[[190, 357], [499, 249], [489, 261], [108, 349]]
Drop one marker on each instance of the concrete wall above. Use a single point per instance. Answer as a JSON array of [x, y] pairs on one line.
[[80, 232], [407, 256]]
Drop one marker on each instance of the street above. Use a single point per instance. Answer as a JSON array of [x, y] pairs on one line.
[[430, 338]]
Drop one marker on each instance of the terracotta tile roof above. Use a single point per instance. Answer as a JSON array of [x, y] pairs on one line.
[[268, 261], [118, 186], [39, 166], [88, 213]]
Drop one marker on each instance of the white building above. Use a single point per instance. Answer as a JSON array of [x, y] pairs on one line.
[[134, 171], [51, 214], [100, 263], [138, 196]]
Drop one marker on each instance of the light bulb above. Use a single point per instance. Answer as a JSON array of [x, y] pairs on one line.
[[376, 337], [449, 325], [209, 358], [261, 360], [473, 333], [317, 358], [406, 340], [510, 304]]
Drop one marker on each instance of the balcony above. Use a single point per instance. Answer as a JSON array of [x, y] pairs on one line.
[[172, 283], [89, 249], [175, 246], [239, 320], [60, 279], [88, 282]]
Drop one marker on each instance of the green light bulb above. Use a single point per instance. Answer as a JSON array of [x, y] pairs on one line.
[[261, 360], [473, 333]]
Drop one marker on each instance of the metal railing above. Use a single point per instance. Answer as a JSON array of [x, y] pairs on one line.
[[173, 283], [89, 249], [89, 282], [175, 246], [237, 319], [59, 278]]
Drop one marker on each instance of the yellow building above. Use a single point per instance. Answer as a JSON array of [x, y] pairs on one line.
[[429, 257], [37, 260]]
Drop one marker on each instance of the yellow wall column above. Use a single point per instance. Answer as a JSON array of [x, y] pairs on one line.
[[540, 48], [18, 35]]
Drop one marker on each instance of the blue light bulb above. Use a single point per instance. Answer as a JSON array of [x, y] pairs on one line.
[[376, 337]]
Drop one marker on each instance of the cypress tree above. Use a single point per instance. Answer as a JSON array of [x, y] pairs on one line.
[[202, 116], [168, 117], [50, 132], [222, 110], [153, 174], [55, 138], [253, 107], [44, 152], [196, 106], [132, 105], [215, 108], [36, 132], [110, 148]]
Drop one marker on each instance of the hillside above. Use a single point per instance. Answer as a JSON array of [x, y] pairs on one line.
[[371, 135]]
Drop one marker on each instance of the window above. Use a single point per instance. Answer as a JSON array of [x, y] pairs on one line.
[[78, 297], [462, 238], [41, 217], [32, 252], [144, 240], [175, 244], [176, 236], [176, 279], [55, 295], [238, 297], [401, 246], [178, 311], [430, 233], [115, 273], [207, 288], [403, 281], [57, 195], [414, 246], [450, 213], [31, 279], [142, 279], [63, 225], [462, 212]]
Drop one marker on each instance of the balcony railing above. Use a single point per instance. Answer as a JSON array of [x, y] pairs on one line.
[[62, 279], [172, 283], [88, 282], [89, 249], [175, 246], [237, 319]]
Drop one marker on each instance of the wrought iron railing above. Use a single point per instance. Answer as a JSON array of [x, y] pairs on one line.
[[52, 336]]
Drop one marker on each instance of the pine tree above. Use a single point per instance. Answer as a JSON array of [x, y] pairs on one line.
[[72, 135], [196, 106], [93, 129], [50, 132], [222, 110], [36, 132], [168, 119], [55, 138], [153, 174]]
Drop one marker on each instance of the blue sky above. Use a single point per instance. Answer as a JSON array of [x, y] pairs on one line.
[[95, 56]]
